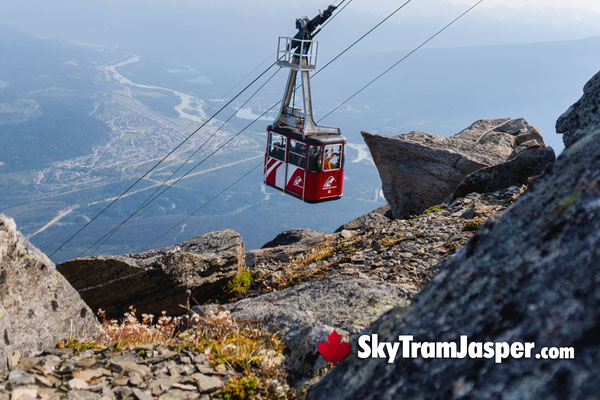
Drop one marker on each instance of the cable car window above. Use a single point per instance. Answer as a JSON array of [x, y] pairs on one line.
[[277, 146], [297, 153], [333, 157], [314, 159]]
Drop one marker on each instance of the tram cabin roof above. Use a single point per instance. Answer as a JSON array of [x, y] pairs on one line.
[[295, 134]]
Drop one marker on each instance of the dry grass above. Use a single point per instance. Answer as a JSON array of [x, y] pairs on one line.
[[472, 225], [254, 355], [390, 241]]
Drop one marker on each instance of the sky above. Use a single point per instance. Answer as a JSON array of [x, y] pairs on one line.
[[587, 5], [131, 22]]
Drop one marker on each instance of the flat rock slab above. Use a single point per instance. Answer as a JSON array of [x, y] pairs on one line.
[[419, 170], [158, 280], [38, 307], [305, 314], [285, 247]]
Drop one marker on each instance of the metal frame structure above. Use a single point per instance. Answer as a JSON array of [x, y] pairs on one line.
[[299, 56]]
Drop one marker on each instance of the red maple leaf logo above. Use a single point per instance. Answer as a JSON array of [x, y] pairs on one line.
[[335, 350]]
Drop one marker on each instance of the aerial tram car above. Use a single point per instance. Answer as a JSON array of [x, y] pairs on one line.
[[302, 158]]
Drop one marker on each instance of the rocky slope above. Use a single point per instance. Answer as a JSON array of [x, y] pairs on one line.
[[307, 285], [37, 305], [531, 275], [419, 170]]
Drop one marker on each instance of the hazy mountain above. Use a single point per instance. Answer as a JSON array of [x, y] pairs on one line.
[[80, 123]]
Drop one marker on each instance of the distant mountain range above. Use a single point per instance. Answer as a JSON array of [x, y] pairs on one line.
[[78, 126]]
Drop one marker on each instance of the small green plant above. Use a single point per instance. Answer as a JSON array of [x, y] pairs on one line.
[[78, 346], [472, 225], [433, 209], [240, 388], [240, 283]]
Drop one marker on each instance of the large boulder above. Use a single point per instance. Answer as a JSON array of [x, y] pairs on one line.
[[582, 117], [305, 314], [531, 275], [419, 170], [159, 280], [38, 307]]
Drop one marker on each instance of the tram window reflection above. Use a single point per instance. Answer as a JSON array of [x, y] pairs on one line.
[[314, 159], [333, 157], [297, 153], [277, 146]]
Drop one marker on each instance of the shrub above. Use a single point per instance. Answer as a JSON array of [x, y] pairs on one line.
[[240, 283]]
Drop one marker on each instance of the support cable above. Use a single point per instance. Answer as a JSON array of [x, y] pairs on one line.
[[239, 179]]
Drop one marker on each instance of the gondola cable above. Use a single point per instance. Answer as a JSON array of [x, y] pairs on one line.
[[169, 154], [332, 111], [145, 204], [96, 245], [160, 162], [400, 60], [152, 196]]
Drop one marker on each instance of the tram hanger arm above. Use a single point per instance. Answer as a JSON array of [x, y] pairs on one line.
[[307, 27]]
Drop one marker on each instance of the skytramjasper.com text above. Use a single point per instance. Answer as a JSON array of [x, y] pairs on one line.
[[370, 347]]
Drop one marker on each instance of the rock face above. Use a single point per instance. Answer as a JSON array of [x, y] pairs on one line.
[[530, 163], [582, 117], [38, 307], [158, 280], [305, 314], [531, 275], [419, 170]]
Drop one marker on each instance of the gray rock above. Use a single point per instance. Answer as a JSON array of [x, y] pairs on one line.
[[313, 309], [531, 275], [291, 237], [19, 377], [419, 170], [271, 256], [38, 307], [208, 384], [529, 163], [158, 280], [582, 117], [374, 219]]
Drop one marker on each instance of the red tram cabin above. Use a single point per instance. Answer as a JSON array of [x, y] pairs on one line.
[[310, 168]]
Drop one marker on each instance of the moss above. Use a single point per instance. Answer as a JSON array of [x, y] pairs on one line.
[[433, 209], [78, 346], [240, 283], [472, 225], [452, 247], [240, 388]]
